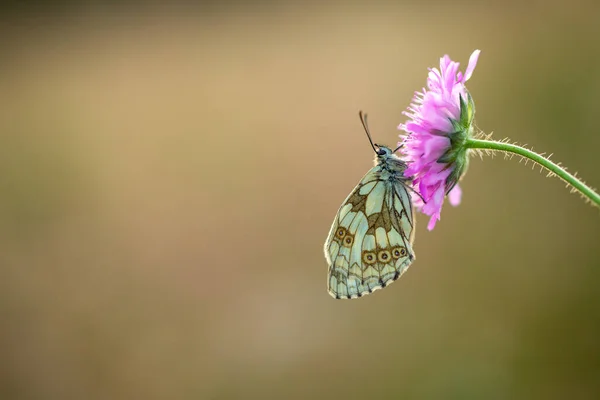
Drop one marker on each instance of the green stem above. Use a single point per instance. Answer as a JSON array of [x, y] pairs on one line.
[[585, 190]]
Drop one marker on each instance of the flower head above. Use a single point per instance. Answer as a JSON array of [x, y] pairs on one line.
[[440, 122]]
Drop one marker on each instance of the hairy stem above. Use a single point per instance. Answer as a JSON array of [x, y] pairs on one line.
[[559, 171]]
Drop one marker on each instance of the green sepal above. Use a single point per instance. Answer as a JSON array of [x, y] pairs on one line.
[[467, 111], [460, 168]]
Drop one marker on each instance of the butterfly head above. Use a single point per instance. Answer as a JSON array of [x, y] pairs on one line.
[[382, 151], [385, 156]]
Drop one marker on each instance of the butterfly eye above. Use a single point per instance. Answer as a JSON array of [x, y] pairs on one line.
[[369, 257], [384, 256], [348, 240], [341, 232]]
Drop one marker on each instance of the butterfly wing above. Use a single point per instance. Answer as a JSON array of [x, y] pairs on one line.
[[370, 242]]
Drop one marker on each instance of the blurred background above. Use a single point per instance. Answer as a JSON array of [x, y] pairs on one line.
[[168, 175]]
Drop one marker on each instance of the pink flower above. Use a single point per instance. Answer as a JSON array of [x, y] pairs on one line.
[[440, 123]]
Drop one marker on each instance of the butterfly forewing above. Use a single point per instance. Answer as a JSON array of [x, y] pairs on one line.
[[370, 242]]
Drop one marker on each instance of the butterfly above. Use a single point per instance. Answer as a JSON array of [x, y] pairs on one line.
[[370, 241]]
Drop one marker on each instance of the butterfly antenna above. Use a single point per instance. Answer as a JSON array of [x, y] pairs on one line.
[[401, 145], [363, 119]]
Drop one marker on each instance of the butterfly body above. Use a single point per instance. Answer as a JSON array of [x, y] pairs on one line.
[[370, 241]]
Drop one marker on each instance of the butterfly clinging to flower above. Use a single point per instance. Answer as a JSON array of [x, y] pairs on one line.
[[370, 241]]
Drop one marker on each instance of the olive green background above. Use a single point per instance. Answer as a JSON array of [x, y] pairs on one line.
[[168, 176]]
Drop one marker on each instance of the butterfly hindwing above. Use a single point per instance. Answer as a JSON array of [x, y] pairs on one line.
[[370, 242]]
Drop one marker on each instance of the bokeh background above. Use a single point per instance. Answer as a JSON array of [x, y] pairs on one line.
[[168, 175]]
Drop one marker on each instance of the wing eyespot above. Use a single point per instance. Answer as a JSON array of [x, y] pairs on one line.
[[348, 240], [398, 252], [340, 233], [369, 257], [384, 256]]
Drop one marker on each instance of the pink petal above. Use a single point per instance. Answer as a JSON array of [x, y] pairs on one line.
[[412, 127], [472, 64], [435, 146], [450, 76], [434, 200], [445, 61], [432, 221], [455, 195]]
